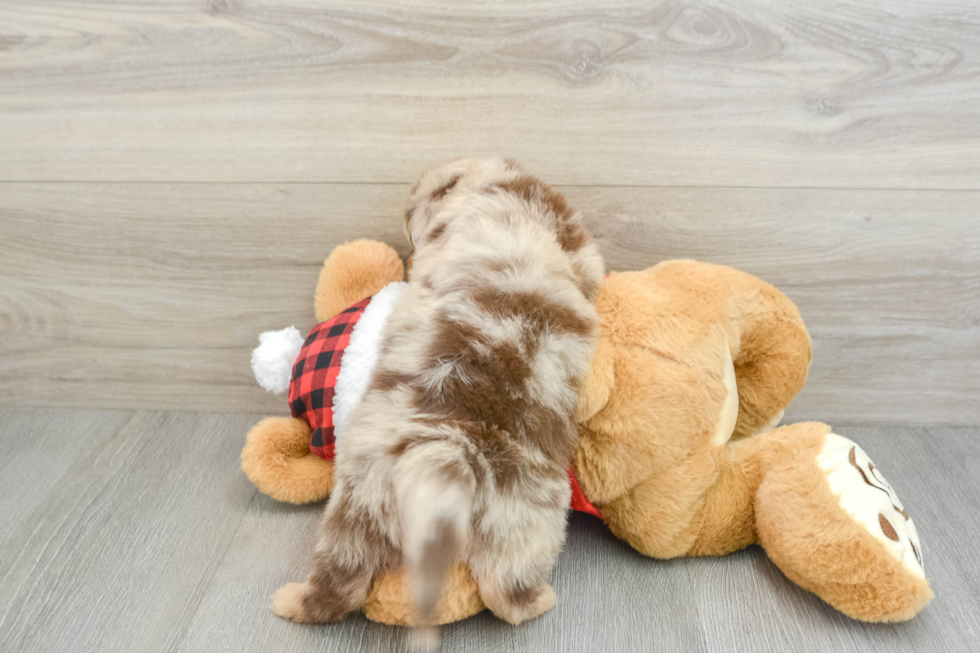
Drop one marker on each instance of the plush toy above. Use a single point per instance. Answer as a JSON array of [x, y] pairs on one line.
[[678, 453]]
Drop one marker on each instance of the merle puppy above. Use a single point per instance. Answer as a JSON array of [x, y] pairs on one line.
[[459, 449]]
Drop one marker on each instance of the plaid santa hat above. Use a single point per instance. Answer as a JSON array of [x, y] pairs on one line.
[[331, 369]]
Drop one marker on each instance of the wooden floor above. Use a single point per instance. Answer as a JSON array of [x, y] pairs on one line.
[[173, 172], [130, 531]]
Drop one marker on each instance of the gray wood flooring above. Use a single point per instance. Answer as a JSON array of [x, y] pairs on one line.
[[135, 531]]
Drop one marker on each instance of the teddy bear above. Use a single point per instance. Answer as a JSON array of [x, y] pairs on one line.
[[679, 451]]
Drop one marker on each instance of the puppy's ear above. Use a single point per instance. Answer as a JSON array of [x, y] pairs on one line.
[[429, 193], [425, 198]]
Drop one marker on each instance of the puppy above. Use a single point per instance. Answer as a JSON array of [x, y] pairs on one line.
[[460, 447]]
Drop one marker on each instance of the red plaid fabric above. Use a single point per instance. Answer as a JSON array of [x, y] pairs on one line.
[[315, 376]]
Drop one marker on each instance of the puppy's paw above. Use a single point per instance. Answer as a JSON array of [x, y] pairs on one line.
[[287, 602], [546, 601], [516, 609]]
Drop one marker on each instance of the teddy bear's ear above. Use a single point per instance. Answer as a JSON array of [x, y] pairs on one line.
[[355, 271], [598, 384]]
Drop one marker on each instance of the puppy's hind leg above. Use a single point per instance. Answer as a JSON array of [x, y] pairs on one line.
[[347, 559], [513, 572]]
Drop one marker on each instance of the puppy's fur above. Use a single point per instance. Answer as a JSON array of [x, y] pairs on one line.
[[460, 448]]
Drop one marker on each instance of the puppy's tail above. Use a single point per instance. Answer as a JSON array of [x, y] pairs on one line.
[[436, 488]]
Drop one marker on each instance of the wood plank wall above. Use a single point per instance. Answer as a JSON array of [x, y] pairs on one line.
[[172, 174]]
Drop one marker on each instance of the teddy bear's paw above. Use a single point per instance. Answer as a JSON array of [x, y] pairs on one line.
[[287, 602], [869, 499]]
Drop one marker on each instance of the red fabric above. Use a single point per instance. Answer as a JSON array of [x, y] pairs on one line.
[[579, 502], [315, 376]]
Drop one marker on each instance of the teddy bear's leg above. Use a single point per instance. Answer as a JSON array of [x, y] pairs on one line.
[[773, 355], [726, 517], [277, 459], [353, 272], [831, 522], [661, 515], [704, 505], [813, 499]]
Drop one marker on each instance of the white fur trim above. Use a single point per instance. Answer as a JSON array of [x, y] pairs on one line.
[[868, 501], [273, 359], [361, 354]]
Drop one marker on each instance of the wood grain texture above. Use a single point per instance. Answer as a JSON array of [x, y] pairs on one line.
[[152, 295], [117, 554], [154, 541], [799, 93], [37, 448]]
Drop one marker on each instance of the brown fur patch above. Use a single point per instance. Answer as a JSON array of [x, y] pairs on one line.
[[387, 380], [441, 192], [329, 598], [505, 457], [487, 398], [533, 190], [570, 232], [572, 235], [455, 472], [523, 596], [536, 308], [437, 231], [409, 441], [484, 380]]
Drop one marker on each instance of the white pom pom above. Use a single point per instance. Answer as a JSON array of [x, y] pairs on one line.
[[272, 360]]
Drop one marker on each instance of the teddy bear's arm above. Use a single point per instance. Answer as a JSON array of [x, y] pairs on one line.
[[277, 459]]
